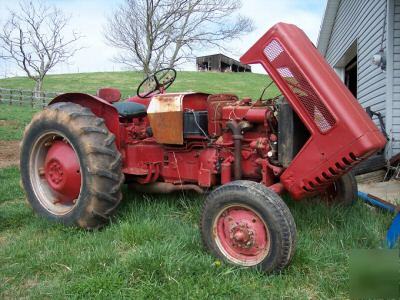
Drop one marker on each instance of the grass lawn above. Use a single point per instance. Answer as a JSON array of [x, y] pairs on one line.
[[152, 249], [13, 120]]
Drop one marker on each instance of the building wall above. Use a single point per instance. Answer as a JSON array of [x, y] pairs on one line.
[[220, 63], [362, 22]]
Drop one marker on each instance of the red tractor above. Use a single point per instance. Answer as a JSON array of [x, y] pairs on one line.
[[77, 153]]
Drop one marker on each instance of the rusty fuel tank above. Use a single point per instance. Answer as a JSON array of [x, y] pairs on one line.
[[165, 114]]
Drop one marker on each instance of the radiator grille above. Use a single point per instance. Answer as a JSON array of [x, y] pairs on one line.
[[331, 173], [284, 65]]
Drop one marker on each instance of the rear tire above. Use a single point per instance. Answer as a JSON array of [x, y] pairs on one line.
[[246, 224], [99, 161]]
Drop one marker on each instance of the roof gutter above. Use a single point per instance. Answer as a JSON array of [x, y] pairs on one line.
[[328, 21]]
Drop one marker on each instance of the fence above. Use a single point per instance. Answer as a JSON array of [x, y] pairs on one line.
[[25, 97]]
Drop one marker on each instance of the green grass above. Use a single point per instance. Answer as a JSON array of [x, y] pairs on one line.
[[13, 120], [153, 249]]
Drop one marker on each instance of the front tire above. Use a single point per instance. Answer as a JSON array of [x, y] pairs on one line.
[[343, 191], [70, 167], [246, 224]]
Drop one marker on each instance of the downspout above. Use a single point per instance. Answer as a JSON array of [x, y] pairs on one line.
[[389, 77], [237, 138]]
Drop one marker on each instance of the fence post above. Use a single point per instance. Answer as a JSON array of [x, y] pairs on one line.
[[43, 95], [20, 97], [32, 99], [1, 95], [11, 97]]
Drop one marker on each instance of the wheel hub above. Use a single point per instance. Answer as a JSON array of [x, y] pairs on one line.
[[242, 235], [62, 172], [55, 172]]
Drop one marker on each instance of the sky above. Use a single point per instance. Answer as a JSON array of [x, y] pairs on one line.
[[89, 16]]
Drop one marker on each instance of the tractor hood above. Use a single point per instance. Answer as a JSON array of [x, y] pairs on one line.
[[341, 132]]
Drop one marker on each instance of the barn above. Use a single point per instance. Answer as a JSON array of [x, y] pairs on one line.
[[220, 63], [361, 41]]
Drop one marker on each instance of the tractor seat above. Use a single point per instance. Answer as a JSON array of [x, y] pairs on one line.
[[111, 95], [130, 109]]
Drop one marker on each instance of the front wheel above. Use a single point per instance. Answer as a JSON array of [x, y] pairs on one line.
[[246, 224], [343, 191]]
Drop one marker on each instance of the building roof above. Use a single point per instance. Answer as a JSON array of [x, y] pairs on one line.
[[328, 21]]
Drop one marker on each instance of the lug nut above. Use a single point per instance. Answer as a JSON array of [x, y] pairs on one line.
[[41, 171]]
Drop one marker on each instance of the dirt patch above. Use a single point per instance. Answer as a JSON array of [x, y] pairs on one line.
[[9, 153], [9, 123], [387, 190], [3, 240]]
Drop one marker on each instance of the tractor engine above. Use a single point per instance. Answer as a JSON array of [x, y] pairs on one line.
[[197, 141]]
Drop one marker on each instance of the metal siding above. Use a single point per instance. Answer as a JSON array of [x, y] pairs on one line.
[[362, 21]]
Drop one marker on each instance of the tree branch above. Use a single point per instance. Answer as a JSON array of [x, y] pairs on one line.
[[33, 37], [156, 33]]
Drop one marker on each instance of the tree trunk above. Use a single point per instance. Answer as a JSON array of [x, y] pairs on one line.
[[146, 69], [38, 88]]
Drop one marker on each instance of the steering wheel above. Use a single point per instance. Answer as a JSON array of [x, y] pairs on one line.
[[157, 82]]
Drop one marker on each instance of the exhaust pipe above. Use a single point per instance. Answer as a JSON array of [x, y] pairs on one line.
[[237, 138]]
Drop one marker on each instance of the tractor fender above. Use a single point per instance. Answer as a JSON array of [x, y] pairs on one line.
[[100, 107]]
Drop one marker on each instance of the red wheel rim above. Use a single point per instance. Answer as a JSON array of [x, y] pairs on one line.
[[55, 173], [62, 171], [241, 235]]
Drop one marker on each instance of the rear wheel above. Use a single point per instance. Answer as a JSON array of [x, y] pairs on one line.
[[70, 166], [246, 224]]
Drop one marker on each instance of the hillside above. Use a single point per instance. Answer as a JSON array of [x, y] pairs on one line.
[[242, 84]]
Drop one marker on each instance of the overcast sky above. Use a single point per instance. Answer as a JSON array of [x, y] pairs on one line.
[[88, 17]]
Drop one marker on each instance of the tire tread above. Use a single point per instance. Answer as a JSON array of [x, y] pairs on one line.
[[98, 146]]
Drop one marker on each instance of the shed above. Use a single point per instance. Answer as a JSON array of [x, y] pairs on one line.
[[361, 41], [220, 63]]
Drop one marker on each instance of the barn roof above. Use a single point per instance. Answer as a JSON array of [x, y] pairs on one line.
[[328, 21]]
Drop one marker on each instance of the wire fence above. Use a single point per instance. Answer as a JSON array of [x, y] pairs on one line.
[[26, 97]]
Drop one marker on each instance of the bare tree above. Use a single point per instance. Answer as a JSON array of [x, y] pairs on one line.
[[33, 38], [165, 33]]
